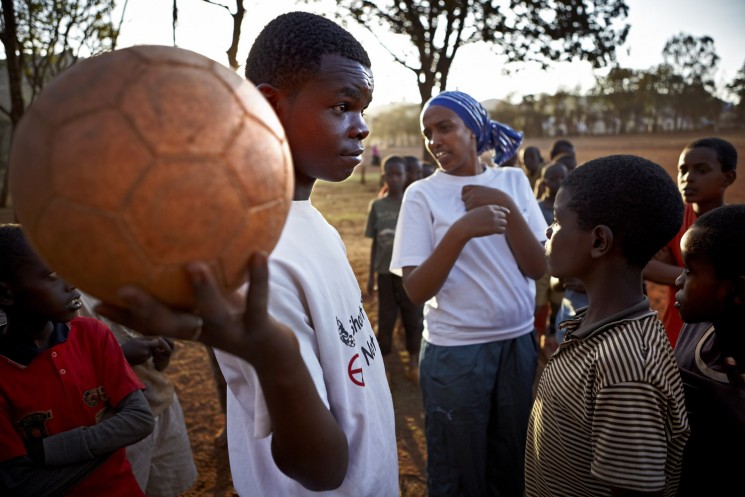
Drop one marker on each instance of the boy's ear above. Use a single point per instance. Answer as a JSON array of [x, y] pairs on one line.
[[6, 295], [602, 240], [729, 177], [738, 293], [271, 93]]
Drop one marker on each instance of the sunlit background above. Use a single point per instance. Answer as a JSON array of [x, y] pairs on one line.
[[206, 28]]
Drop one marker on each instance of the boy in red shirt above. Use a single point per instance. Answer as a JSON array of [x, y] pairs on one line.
[[69, 403], [705, 169]]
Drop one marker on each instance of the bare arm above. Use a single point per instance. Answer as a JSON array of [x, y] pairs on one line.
[[424, 281], [662, 269], [371, 276], [307, 443]]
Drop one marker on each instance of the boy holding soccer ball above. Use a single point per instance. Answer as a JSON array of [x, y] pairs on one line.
[[309, 408]]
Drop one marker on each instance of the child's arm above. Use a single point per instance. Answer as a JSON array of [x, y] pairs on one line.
[[23, 476], [527, 250], [424, 281], [371, 276], [662, 269], [131, 422], [308, 445], [371, 232], [138, 349]]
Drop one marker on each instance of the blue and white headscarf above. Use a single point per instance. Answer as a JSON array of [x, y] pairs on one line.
[[490, 135]]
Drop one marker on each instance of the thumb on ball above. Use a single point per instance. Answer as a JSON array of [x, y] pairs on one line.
[[257, 296]]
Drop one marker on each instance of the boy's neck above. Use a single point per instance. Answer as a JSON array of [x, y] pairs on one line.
[[605, 299], [701, 208], [31, 332], [395, 194]]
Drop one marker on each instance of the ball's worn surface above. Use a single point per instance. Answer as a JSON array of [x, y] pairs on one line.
[[132, 163]]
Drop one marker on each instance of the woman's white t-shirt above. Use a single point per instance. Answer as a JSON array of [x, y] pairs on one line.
[[485, 297]]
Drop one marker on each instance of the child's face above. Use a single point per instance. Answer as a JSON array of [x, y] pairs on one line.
[[567, 245], [701, 296], [324, 122], [554, 177], [450, 141], [700, 176], [39, 292], [531, 159], [395, 177], [413, 172]]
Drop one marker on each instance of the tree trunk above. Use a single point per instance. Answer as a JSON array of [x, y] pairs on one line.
[[232, 52], [10, 41]]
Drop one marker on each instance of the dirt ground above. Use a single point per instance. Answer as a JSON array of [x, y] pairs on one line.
[[345, 206]]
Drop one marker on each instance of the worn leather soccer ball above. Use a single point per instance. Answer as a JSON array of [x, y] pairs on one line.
[[132, 163]]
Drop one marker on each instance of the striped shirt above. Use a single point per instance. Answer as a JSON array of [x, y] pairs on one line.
[[609, 411]]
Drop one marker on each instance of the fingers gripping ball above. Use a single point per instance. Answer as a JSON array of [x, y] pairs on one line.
[[132, 163]]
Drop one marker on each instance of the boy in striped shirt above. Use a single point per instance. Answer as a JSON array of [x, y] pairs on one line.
[[609, 416]]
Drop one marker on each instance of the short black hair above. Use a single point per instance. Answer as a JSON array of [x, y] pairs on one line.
[[635, 197], [288, 51], [531, 148], [726, 152], [559, 147], [391, 159], [718, 236], [412, 161], [14, 250]]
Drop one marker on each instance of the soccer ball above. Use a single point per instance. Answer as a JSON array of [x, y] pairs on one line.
[[132, 163]]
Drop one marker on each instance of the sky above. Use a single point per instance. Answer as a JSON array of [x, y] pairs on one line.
[[206, 29]]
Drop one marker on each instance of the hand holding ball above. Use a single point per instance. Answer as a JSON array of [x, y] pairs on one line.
[[133, 163]]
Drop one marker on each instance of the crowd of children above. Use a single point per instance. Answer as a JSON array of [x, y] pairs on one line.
[[467, 255]]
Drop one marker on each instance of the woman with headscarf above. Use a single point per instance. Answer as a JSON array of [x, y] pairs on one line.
[[469, 246]]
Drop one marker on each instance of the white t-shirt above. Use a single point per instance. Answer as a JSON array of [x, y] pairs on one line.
[[485, 297], [313, 290]]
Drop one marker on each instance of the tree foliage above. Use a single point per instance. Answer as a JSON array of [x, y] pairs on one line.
[[737, 87], [541, 31], [43, 37], [52, 35], [693, 58]]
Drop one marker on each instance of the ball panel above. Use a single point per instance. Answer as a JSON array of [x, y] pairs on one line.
[[30, 181], [163, 55], [82, 145], [169, 105], [142, 159], [260, 232], [261, 164], [251, 99], [89, 85], [170, 283], [89, 249], [184, 210]]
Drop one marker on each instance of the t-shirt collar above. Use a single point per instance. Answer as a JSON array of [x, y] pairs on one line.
[[23, 353], [636, 311]]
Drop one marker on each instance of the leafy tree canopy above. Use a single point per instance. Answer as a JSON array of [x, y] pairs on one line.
[[541, 31]]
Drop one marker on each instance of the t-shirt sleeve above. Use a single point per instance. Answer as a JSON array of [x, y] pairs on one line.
[[118, 377], [286, 305], [414, 240], [530, 208], [630, 437], [370, 229]]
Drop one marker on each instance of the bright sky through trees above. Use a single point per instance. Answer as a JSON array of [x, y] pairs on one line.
[[206, 29]]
